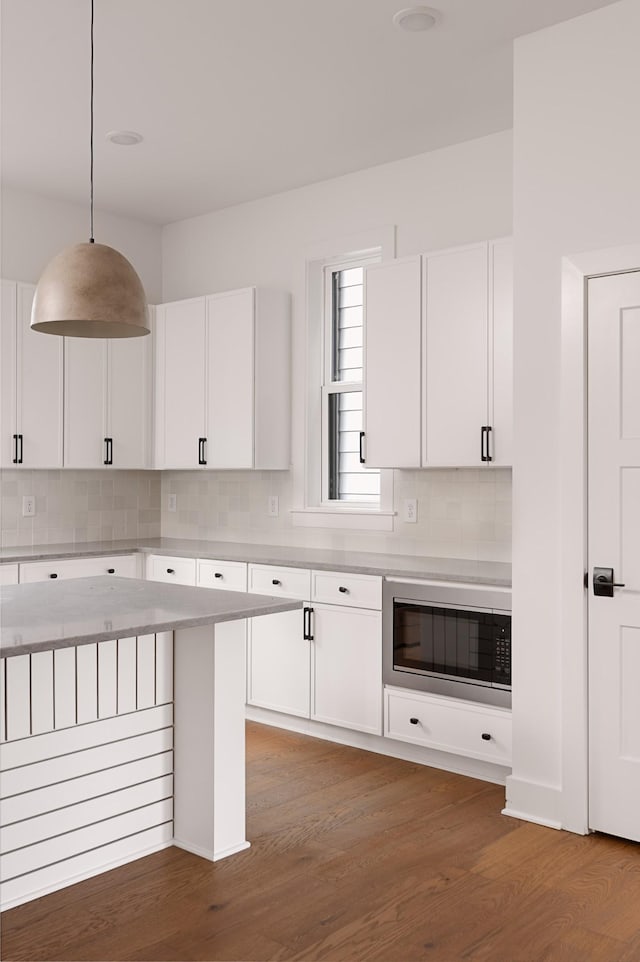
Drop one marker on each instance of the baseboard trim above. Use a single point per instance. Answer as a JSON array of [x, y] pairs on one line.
[[527, 817], [208, 853], [534, 802]]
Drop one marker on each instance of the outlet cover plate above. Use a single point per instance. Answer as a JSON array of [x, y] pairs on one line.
[[410, 510], [28, 506], [273, 506]]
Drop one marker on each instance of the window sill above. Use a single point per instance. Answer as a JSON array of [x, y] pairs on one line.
[[358, 519]]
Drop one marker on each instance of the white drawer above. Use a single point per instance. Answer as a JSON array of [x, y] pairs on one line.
[[124, 566], [288, 582], [8, 574], [229, 575], [352, 591], [448, 724], [177, 571]]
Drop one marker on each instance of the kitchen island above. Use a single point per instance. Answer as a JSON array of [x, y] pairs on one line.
[[122, 725]]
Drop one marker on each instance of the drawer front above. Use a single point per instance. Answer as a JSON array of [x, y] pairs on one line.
[[229, 575], [8, 574], [177, 571], [272, 580], [124, 566], [352, 591], [449, 725]]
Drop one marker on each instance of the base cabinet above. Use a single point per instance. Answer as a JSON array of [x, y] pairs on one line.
[[346, 655], [279, 664], [449, 725]]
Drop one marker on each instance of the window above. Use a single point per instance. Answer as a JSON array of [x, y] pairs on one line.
[[345, 478]]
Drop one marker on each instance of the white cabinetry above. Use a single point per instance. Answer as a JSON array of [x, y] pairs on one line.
[[449, 725], [223, 575], [31, 367], [439, 358], [124, 566], [393, 369], [107, 404], [325, 662], [278, 649], [177, 571], [223, 381], [8, 574]]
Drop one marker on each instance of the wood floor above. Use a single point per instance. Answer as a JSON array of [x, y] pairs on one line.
[[354, 856]]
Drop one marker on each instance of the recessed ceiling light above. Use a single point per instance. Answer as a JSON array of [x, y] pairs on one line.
[[414, 19], [125, 138]]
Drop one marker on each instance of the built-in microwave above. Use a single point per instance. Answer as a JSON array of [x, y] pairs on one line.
[[448, 639]]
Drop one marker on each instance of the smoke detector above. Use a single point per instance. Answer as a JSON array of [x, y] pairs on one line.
[[415, 19], [124, 138]]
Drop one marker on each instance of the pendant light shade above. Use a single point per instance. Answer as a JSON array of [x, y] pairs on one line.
[[90, 290]]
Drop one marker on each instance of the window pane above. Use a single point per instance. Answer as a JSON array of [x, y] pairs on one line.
[[348, 479], [347, 324]]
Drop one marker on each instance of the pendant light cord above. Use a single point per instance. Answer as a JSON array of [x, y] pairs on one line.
[[91, 239]]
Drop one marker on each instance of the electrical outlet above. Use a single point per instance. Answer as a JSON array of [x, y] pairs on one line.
[[273, 508], [28, 506], [173, 502], [410, 510]]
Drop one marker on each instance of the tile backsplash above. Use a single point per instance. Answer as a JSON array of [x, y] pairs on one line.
[[79, 506], [462, 512]]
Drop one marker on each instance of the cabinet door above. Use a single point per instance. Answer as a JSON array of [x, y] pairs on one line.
[[346, 654], [456, 356], [39, 389], [85, 383], [129, 401], [230, 401], [180, 382], [501, 355], [278, 664], [392, 340], [8, 373]]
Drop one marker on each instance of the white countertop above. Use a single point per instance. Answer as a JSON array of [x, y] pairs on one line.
[[328, 559], [62, 614]]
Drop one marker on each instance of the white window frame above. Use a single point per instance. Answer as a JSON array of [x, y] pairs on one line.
[[318, 511]]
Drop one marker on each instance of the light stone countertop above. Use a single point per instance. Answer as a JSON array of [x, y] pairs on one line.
[[62, 614], [494, 573]]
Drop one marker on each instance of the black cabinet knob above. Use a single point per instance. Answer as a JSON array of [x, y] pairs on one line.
[[53, 575], [111, 571], [414, 721], [218, 574], [276, 582], [171, 571], [486, 737], [345, 591]]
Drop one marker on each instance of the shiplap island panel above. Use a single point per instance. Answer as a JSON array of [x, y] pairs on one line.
[[122, 726]]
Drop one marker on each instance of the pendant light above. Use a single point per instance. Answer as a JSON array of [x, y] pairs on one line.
[[89, 289]]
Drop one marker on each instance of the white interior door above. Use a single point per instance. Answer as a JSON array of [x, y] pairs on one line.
[[614, 542]]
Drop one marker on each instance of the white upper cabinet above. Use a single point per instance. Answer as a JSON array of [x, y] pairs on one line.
[[439, 345], [223, 381], [107, 402], [31, 366], [393, 375], [456, 355]]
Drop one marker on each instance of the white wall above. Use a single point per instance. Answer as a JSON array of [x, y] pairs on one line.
[[35, 228], [576, 188], [439, 199]]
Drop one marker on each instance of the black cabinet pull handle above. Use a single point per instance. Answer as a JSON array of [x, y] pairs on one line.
[[414, 721], [306, 624], [362, 460], [171, 571], [53, 575], [108, 450], [201, 451], [275, 582], [486, 737], [345, 591], [111, 571], [17, 448], [218, 574], [485, 438]]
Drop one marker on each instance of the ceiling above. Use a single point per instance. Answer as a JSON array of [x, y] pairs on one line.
[[239, 99]]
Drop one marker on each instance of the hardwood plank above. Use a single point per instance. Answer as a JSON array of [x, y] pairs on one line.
[[354, 856]]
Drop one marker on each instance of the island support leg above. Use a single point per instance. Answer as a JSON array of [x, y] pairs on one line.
[[209, 697]]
